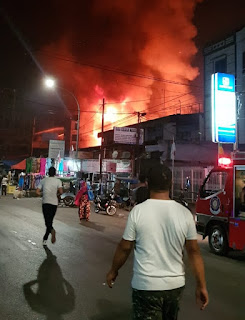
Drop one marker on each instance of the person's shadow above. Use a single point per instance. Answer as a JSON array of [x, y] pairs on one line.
[[50, 294]]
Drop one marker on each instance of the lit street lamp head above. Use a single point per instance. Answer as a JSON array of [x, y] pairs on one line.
[[49, 83]]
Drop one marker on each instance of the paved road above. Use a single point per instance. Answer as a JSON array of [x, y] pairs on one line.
[[67, 281]]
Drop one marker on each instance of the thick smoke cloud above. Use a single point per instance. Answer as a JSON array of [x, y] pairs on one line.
[[145, 38]]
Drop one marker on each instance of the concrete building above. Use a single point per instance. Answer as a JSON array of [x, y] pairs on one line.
[[226, 56], [186, 130]]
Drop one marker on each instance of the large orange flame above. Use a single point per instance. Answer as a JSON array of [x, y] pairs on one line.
[[147, 68]]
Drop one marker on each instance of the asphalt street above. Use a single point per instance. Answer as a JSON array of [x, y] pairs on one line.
[[67, 280]]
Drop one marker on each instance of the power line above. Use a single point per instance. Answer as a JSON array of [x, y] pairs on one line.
[[163, 103], [149, 111], [132, 101], [89, 121], [84, 111], [107, 68], [112, 123]]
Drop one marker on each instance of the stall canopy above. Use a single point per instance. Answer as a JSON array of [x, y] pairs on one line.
[[20, 166]]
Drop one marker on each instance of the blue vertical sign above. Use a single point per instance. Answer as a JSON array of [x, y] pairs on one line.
[[223, 108]]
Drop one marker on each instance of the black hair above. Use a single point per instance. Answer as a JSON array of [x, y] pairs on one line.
[[159, 178], [142, 178], [52, 172]]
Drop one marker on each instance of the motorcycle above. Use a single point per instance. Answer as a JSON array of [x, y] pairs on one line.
[[124, 203], [67, 198], [107, 204]]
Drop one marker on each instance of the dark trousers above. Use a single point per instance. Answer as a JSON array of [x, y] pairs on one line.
[[49, 211], [4, 190], [156, 305]]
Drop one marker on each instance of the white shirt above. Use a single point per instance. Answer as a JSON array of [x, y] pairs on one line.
[[159, 229], [4, 181], [50, 185]]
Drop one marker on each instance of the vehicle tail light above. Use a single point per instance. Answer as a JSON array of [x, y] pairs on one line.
[[224, 162]]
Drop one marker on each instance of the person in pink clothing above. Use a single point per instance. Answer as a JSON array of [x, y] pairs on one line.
[[83, 203]]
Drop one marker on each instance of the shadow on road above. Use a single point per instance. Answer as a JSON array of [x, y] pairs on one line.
[[110, 311], [232, 254], [50, 294], [92, 225], [237, 255]]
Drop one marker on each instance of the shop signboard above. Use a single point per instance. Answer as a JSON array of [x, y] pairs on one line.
[[223, 108], [109, 165], [127, 135], [124, 166], [56, 149]]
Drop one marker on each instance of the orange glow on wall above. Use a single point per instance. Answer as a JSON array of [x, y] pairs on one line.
[[50, 130]]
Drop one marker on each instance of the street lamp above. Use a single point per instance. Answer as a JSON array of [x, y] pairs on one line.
[[50, 83]]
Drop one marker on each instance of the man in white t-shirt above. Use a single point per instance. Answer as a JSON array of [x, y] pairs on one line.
[[50, 187], [158, 230]]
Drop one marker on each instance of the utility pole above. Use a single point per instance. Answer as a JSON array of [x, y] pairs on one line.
[[102, 141], [137, 165], [33, 134]]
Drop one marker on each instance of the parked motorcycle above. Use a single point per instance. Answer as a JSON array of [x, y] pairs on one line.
[[67, 198], [107, 204]]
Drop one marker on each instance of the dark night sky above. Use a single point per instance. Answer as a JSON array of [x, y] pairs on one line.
[[90, 23], [218, 18]]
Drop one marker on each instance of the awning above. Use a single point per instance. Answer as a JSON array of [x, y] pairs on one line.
[[8, 163], [20, 166]]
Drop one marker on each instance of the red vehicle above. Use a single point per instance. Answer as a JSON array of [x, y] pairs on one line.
[[220, 207]]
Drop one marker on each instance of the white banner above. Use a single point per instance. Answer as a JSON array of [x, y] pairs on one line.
[[109, 165], [56, 148], [127, 135]]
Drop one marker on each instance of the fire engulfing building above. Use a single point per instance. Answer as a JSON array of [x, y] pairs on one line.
[[186, 130]]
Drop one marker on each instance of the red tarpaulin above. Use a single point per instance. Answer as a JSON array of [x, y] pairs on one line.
[[19, 166]]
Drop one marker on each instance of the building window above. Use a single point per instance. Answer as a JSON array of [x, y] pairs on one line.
[[220, 65], [74, 137], [243, 62]]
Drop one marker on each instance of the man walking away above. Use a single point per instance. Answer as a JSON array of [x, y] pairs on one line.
[[4, 185], [50, 186], [158, 230]]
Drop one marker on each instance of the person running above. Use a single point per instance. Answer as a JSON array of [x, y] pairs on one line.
[[50, 187], [158, 229]]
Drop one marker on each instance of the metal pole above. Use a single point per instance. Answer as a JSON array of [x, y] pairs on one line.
[[172, 189], [33, 134], [137, 167], [173, 150], [78, 123], [137, 162], [102, 139]]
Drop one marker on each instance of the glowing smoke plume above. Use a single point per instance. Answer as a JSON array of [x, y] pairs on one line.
[[145, 38]]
